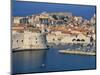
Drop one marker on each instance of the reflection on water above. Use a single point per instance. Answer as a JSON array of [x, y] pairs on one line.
[[31, 61], [24, 61]]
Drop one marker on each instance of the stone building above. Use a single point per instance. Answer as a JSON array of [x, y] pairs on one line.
[[29, 40], [67, 38]]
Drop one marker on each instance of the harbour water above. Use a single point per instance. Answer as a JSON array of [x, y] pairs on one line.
[[53, 60]]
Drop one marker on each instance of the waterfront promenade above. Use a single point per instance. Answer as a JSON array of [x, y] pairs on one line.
[[76, 52]]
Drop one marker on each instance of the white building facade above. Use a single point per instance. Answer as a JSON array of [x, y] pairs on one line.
[[58, 37]]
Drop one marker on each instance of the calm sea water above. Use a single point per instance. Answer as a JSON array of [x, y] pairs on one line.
[[53, 60]]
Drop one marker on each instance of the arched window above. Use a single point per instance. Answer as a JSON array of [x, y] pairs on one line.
[[74, 40], [83, 40], [78, 39]]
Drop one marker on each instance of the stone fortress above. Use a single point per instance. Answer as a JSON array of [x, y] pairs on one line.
[[59, 28]]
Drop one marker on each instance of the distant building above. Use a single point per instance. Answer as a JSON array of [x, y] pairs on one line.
[[93, 20], [16, 20], [66, 38], [78, 20]]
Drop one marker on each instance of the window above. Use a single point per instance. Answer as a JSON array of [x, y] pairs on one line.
[[17, 41], [21, 40], [83, 40], [76, 36], [78, 39], [74, 40], [59, 39], [36, 42], [36, 38], [53, 39]]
